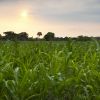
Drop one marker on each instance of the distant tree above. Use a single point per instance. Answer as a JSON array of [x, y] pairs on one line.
[[39, 34], [23, 36], [10, 35], [0, 37], [49, 36], [84, 38], [98, 38], [66, 38], [80, 37]]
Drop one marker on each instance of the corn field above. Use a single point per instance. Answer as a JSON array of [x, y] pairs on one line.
[[49, 70]]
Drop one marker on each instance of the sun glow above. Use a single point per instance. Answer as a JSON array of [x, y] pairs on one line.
[[24, 13]]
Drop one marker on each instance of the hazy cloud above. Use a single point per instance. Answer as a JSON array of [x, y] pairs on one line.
[[62, 10], [57, 11]]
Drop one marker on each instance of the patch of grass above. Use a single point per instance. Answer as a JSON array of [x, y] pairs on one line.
[[50, 70]]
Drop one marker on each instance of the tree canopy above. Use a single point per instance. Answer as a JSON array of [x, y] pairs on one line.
[[49, 36]]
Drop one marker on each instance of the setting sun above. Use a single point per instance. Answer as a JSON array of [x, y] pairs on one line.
[[24, 13]]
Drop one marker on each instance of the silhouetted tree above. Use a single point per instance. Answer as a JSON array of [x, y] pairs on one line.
[[39, 34], [66, 38], [98, 38], [10, 35], [49, 36], [23, 36], [0, 37], [80, 38], [83, 38]]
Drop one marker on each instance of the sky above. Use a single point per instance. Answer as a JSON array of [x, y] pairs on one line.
[[63, 17]]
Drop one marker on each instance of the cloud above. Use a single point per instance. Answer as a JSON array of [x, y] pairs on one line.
[[8, 1], [60, 10], [68, 10], [68, 13], [65, 10]]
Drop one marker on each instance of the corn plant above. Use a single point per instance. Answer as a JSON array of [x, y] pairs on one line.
[[50, 70]]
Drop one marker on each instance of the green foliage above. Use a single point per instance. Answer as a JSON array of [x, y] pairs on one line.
[[10, 35], [50, 70], [49, 36]]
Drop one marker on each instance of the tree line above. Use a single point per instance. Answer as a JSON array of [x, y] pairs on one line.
[[50, 36]]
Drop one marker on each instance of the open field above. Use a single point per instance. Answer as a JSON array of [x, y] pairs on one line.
[[50, 70]]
